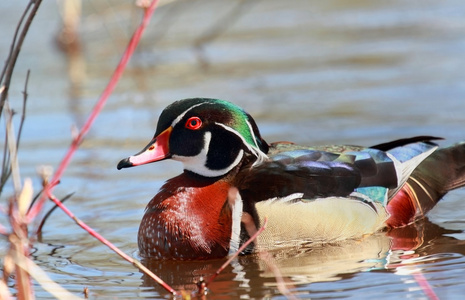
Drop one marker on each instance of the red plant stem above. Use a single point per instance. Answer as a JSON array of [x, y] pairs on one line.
[[77, 141], [3, 230], [252, 238], [92, 232], [425, 286], [97, 108], [281, 284]]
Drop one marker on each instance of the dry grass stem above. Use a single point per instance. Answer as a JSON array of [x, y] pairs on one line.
[[48, 284]]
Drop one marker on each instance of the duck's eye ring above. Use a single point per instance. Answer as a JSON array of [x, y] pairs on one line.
[[193, 123]]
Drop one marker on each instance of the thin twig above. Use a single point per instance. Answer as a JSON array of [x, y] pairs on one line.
[[104, 241], [35, 199], [42, 223], [19, 242], [39, 194], [23, 112], [98, 107], [77, 141], [6, 170], [250, 240], [13, 42], [14, 54], [12, 149], [5, 167]]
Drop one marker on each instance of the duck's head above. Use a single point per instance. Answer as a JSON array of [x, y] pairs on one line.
[[209, 136]]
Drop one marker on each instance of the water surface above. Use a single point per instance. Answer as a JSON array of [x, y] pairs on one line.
[[314, 72]]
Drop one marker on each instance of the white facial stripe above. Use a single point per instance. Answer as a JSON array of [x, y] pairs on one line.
[[256, 151], [260, 155], [176, 121], [197, 164], [253, 134]]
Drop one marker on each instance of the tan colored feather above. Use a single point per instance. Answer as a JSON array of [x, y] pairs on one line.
[[322, 220]]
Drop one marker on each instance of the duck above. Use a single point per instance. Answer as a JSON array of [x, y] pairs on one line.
[[233, 180]]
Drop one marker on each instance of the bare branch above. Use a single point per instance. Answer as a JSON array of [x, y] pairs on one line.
[[5, 169], [107, 243], [98, 106], [23, 113], [12, 46], [11, 141], [42, 223], [13, 56]]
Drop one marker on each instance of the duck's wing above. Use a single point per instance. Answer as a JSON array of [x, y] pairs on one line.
[[317, 173]]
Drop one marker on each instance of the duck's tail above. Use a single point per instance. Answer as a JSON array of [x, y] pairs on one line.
[[442, 171]]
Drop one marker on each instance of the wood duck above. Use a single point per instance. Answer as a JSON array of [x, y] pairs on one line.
[[233, 179]]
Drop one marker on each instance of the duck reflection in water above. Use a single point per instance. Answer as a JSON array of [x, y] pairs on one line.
[[392, 250]]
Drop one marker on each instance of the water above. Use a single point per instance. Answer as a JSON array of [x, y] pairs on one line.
[[312, 72]]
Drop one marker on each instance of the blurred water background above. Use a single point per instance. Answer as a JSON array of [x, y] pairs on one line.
[[313, 72]]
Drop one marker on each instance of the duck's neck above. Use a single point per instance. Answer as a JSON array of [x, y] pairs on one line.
[[188, 219]]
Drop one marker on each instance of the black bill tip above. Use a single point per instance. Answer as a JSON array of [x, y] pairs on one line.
[[124, 163]]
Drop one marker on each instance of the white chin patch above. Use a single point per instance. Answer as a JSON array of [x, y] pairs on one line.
[[196, 164]]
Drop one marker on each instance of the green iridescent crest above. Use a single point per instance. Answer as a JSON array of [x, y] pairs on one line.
[[241, 123]]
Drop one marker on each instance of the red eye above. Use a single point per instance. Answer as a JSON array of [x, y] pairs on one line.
[[193, 123]]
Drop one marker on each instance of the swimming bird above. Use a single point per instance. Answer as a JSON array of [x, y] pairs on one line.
[[233, 179]]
